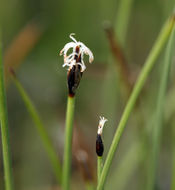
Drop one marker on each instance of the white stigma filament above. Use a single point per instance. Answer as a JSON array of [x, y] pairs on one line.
[[69, 60], [101, 125]]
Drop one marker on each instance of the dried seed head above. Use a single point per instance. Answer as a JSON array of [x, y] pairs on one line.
[[99, 142]]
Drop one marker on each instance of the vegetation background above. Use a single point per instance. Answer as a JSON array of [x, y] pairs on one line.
[[33, 34]]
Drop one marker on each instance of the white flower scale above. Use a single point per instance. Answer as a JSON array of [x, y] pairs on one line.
[[79, 49]]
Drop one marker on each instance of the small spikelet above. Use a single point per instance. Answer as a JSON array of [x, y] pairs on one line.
[[73, 79], [99, 145], [99, 142]]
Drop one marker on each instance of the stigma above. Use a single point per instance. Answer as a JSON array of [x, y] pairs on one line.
[[76, 57]]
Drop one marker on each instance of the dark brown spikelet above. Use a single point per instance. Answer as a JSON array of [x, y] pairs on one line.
[[99, 145], [73, 79]]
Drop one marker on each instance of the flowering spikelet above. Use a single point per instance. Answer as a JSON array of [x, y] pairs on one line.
[[75, 62], [99, 142], [77, 55]]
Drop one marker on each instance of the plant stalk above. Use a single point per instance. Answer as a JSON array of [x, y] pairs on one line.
[[41, 129], [4, 128], [68, 143], [99, 166], [173, 156], [122, 21], [158, 120], [150, 62]]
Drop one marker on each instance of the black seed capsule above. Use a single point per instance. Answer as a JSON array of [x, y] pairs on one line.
[[99, 145], [73, 79]]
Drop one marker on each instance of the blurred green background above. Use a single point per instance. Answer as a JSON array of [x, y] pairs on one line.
[[34, 32]]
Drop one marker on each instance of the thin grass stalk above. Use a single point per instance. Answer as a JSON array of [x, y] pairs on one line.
[[99, 166], [122, 21], [150, 62], [4, 128], [41, 129], [68, 143], [158, 120], [173, 156]]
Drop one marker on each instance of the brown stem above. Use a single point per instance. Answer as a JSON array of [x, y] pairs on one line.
[[119, 56]]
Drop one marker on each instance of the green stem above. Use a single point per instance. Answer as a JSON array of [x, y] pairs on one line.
[[173, 156], [41, 130], [4, 128], [150, 62], [99, 166], [123, 16], [68, 143], [157, 127]]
